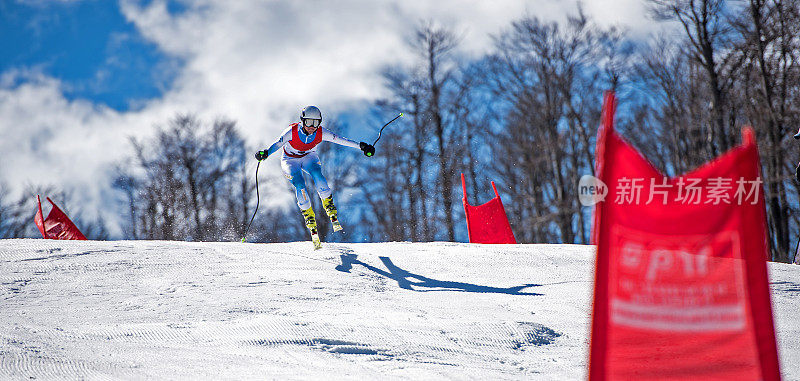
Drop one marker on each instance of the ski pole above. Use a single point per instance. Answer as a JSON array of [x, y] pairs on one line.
[[384, 126], [258, 199]]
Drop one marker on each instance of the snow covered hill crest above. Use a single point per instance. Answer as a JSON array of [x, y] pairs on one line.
[[148, 309]]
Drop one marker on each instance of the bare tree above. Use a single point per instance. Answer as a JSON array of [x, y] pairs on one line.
[[407, 89], [188, 182], [706, 25], [746, 68], [434, 45], [544, 74], [415, 173], [769, 31]]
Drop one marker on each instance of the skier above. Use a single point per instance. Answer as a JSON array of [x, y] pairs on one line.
[[300, 155]]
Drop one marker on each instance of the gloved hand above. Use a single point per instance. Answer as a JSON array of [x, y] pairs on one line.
[[368, 149], [261, 155]]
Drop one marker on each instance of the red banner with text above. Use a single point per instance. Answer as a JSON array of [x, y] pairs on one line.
[[681, 289]]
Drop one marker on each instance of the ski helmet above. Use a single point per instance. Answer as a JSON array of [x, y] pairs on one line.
[[311, 116]]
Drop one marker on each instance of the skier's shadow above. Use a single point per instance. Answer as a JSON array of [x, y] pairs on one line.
[[415, 282]]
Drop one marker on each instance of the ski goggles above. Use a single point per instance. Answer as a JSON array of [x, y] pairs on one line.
[[308, 122]]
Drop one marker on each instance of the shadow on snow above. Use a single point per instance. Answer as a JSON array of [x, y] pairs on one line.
[[415, 282]]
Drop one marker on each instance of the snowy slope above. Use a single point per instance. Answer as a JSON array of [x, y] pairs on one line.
[[145, 309]]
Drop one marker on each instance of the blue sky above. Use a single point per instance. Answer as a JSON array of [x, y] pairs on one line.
[[90, 46]]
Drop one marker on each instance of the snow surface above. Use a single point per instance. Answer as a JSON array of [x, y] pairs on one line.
[[150, 309]]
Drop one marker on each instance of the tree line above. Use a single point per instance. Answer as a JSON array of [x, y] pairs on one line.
[[524, 115]]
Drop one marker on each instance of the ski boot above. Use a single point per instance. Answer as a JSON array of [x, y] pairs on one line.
[[330, 209], [311, 224]]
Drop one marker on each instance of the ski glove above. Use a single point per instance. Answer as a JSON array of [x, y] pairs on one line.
[[368, 149], [261, 155]]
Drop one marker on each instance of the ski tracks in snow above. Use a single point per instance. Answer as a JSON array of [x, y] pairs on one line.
[[149, 309]]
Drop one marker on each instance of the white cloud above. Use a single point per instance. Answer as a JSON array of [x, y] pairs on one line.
[[255, 61]]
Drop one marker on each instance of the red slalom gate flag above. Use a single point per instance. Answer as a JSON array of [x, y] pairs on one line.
[[681, 289], [57, 225], [487, 223], [39, 217]]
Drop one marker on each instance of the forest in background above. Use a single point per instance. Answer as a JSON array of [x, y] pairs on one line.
[[525, 116]]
